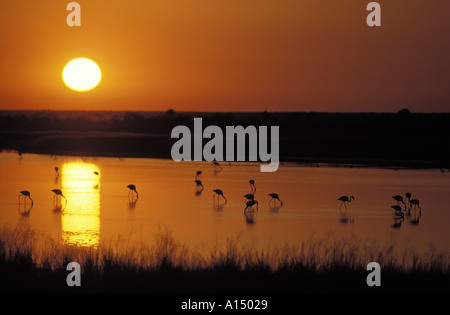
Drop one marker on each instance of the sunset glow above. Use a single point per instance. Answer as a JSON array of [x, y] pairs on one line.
[[229, 56]]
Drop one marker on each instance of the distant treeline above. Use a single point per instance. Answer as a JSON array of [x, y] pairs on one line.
[[391, 139]]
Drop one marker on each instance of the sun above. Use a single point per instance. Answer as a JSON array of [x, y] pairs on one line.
[[81, 74]]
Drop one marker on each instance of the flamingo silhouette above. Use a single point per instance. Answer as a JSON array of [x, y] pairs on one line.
[[132, 188], [399, 199], [408, 196], [218, 193], [217, 165], [252, 186], [345, 199], [249, 197], [26, 195], [58, 192], [199, 186], [197, 175], [274, 198], [398, 211], [416, 204], [57, 171], [250, 204]]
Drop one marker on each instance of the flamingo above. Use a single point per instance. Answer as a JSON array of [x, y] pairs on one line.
[[252, 186], [275, 196], [199, 186], [249, 197], [131, 189], [408, 196], [416, 204], [219, 192], [199, 183], [58, 192], [399, 199], [250, 204], [25, 193], [217, 164], [345, 199], [57, 171], [398, 211], [197, 175]]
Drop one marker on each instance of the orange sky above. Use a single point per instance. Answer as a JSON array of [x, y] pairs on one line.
[[237, 55]]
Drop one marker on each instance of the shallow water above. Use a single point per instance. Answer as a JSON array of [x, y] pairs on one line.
[[99, 208]]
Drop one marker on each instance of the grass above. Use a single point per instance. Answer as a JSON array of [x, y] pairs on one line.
[[30, 261]]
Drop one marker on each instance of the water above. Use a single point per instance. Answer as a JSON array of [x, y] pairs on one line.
[[99, 208]]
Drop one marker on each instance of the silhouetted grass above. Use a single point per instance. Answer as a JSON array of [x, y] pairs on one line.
[[33, 262]]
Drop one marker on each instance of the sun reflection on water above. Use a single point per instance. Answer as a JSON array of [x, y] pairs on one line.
[[80, 220]]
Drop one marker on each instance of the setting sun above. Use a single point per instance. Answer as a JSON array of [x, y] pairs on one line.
[[81, 74]]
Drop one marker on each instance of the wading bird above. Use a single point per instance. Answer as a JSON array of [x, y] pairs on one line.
[[249, 197], [345, 199], [250, 204], [274, 198], [252, 186], [26, 195], [408, 196], [58, 192], [218, 193], [198, 174], [217, 165], [57, 171], [416, 204], [398, 211], [132, 189], [399, 199], [198, 185]]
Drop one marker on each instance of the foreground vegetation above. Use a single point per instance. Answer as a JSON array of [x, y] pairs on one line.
[[36, 263]]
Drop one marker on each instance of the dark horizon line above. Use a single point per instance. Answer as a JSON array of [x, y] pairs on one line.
[[214, 111]]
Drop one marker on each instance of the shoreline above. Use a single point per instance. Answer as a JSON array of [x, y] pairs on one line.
[[301, 162], [390, 140]]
